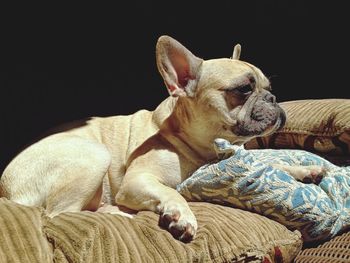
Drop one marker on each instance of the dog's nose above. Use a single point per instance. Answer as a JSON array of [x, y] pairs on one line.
[[270, 98]]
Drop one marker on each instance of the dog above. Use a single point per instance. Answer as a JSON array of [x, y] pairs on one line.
[[121, 164]]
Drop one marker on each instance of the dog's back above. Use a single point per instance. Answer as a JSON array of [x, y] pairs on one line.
[[120, 135]]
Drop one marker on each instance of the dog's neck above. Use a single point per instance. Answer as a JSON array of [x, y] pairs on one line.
[[176, 119]]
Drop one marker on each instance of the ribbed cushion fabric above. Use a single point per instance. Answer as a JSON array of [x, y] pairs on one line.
[[326, 117], [337, 250], [21, 236], [225, 235], [319, 126]]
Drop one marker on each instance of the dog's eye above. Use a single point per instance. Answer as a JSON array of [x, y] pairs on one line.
[[245, 90]]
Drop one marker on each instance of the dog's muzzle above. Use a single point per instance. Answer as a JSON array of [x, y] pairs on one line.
[[260, 115]]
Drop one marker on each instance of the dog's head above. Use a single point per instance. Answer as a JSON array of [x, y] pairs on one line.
[[225, 97]]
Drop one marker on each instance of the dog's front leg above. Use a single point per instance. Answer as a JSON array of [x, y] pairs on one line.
[[142, 190]]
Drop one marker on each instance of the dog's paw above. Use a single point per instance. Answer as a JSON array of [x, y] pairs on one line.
[[312, 174], [181, 223]]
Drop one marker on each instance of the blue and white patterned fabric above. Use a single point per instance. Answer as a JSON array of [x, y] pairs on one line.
[[246, 180]]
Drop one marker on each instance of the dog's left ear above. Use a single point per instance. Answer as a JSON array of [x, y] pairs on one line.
[[236, 52], [178, 67]]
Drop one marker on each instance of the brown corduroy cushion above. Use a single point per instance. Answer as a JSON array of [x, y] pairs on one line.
[[21, 236], [319, 126], [225, 235], [337, 250]]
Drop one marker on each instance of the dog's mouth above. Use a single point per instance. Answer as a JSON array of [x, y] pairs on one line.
[[259, 116]]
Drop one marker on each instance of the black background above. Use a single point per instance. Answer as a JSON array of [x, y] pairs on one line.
[[62, 62]]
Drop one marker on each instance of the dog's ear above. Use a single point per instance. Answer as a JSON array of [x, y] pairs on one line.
[[178, 67], [236, 52]]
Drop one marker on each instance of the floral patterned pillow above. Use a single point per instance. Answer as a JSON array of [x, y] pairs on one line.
[[246, 180]]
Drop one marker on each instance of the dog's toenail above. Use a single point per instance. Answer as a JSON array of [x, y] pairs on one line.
[[187, 236], [176, 230]]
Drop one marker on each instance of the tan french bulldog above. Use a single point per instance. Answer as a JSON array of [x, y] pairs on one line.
[[136, 161]]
